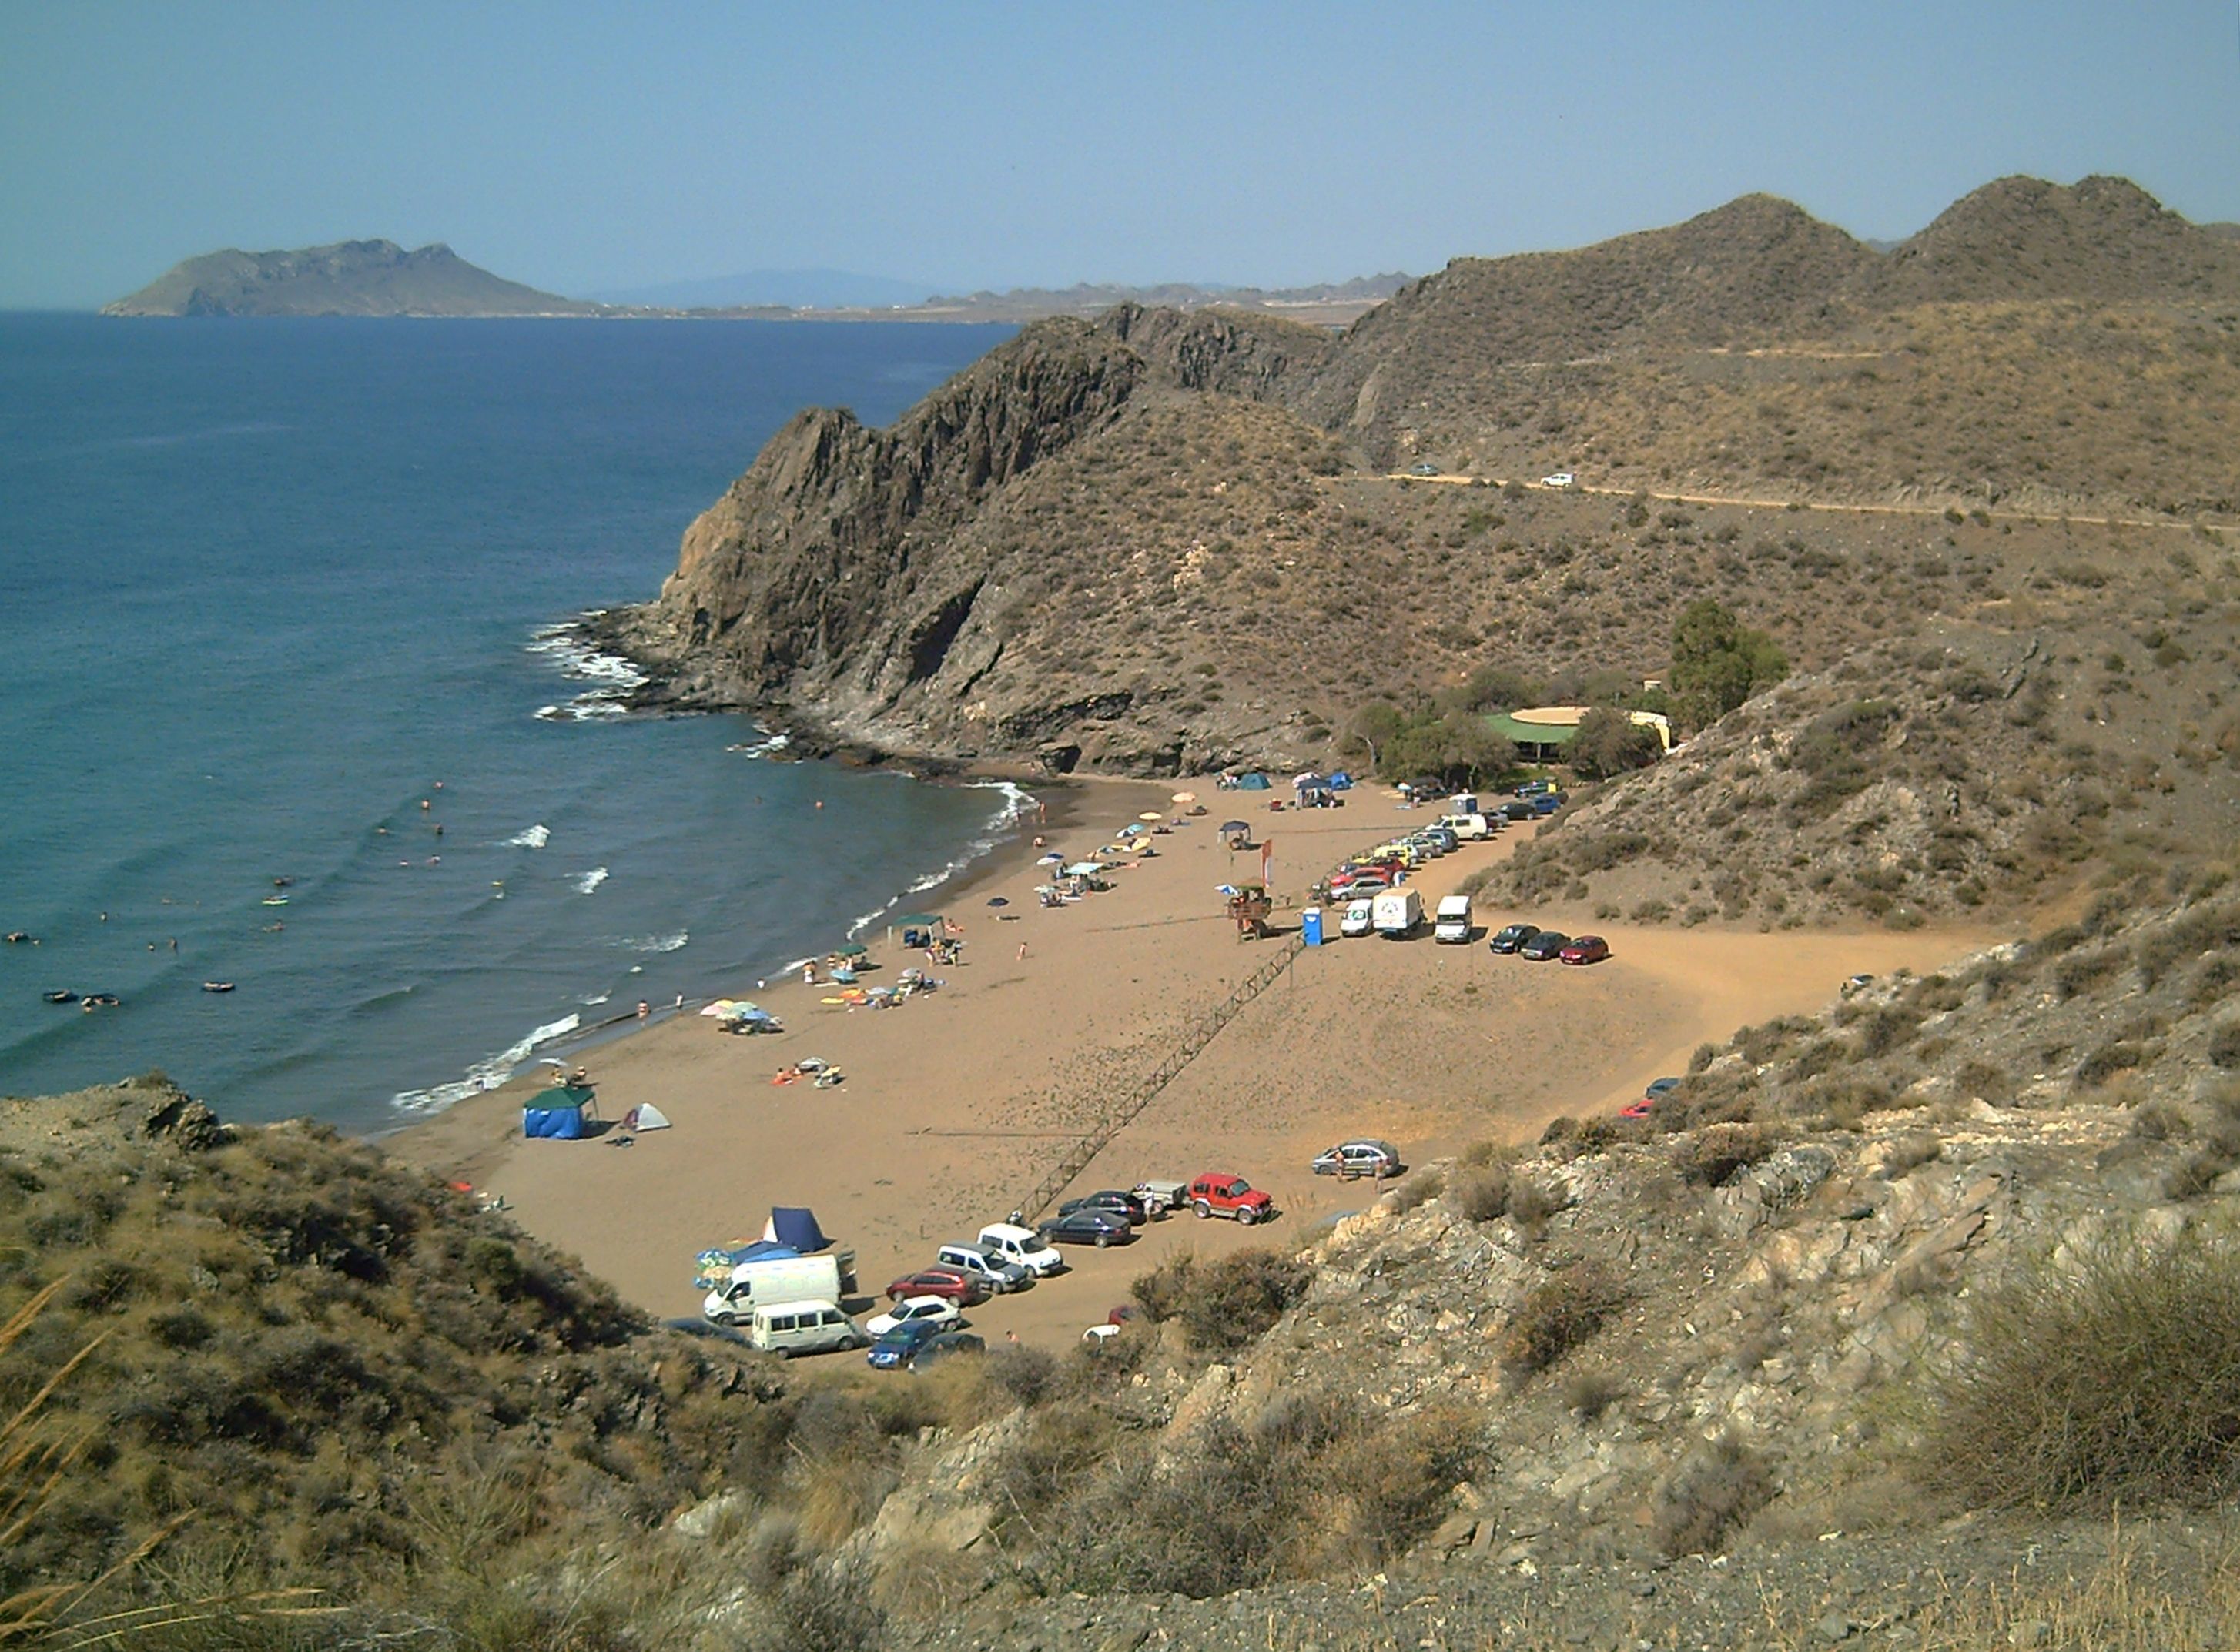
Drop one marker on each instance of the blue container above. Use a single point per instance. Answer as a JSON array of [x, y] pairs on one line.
[[1310, 926]]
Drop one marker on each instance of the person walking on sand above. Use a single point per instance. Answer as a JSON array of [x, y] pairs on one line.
[[1022, 952]]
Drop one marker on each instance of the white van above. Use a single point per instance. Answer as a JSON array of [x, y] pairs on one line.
[[789, 1328], [1021, 1245], [1360, 917], [1454, 925], [775, 1279], [1397, 914], [1467, 827]]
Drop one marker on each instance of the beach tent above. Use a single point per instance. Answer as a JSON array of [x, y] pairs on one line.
[[1340, 781], [557, 1114], [644, 1117], [1084, 869], [1252, 783], [795, 1225], [930, 921]]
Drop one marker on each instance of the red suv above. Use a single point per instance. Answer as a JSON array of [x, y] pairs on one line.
[[952, 1284], [1217, 1193]]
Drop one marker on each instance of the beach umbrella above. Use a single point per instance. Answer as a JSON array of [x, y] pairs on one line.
[[1052, 859], [1151, 815], [1236, 826], [1083, 869], [998, 900], [1185, 797], [850, 950]]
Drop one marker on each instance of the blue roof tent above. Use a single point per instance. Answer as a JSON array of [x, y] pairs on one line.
[[1252, 783], [795, 1226], [557, 1114], [1340, 781]]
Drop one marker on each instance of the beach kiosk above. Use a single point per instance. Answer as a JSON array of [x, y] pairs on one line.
[[561, 1114]]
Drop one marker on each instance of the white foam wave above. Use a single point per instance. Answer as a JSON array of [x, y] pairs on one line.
[[486, 1074], [762, 747], [613, 678], [534, 837], [585, 882], [657, 942]]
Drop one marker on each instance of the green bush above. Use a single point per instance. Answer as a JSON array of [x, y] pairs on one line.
[[1223, 1304], [1558, 1315]]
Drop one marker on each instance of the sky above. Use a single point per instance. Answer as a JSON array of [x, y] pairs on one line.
[[585, 148]]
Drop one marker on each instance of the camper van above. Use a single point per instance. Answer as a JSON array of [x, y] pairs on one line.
[[773, 1279], [789, 1328], [1467, 827], [1397, 914], [1454, 925]]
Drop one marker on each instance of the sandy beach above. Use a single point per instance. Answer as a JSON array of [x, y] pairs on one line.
[[957, 1103]]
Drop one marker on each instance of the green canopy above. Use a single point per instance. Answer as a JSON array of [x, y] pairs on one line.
[[915, 921], [562, 1095], [850, 950]]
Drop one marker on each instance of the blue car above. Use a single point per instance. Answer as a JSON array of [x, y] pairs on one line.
[[1548, 801], [900, 1346]]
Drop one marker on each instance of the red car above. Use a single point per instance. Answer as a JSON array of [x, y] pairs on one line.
[[1586, 949], [952, 1284], [1217, 1193]]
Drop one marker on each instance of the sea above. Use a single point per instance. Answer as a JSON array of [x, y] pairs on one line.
[[288, 704]]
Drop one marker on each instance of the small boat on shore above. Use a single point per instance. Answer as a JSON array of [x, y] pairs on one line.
[[217, 986]]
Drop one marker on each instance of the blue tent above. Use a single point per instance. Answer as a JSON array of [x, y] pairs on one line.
[[795, 1226], [557, 1114], [1252, 783], [1340, 781]]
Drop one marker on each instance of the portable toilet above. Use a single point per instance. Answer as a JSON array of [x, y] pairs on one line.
[[1310, 926]]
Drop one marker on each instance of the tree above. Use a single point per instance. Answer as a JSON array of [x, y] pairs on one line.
[[1376, 725], [1718, 663], [1458, 747], [1610, 742]]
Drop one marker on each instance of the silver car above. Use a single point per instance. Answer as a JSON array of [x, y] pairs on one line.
[[1364, 1157], [978, 1261]]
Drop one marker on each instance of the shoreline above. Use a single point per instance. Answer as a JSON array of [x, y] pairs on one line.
[[956, 1105]]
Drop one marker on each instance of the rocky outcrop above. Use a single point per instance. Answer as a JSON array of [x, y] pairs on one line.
[[348, 278]]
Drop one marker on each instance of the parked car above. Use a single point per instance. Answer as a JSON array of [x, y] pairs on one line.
[[900, 1346], [1014, 1243], [792, 1329], [1558, 479], [978, 1261], [943, 1344], [1544, 946], [1657, 1090], [1217, 1194], [965, 1289], [1087, 1227], [1423, 467], [1517, 809], [937, 1311], [1357, 920], [1588, 949], [1350, 1159], [1535, 787], [1111, 1199], [1548, 801], [1512, 937]]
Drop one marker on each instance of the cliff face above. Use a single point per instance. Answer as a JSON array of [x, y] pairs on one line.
[[348, 278]]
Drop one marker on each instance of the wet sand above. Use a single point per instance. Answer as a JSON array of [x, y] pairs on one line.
[[957, 1104]]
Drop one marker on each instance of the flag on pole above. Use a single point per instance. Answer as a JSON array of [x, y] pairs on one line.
[[1265, 844]]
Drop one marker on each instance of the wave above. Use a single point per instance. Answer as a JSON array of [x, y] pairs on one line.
[[657, 942], [762, 747], [535, 837], [586, 882], [486, 1074], [613, 678], [593, 1003]]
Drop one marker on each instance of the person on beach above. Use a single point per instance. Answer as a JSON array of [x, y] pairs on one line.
[[1022, 952], [643, 1009]]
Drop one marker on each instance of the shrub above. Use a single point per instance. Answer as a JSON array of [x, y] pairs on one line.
[[1531, 1203], [2109, 1381], [1223, 1304], [1419, 1188], [1558, 1315], [1481, 1194], [1711, 1496], [2224, 1045], [1712, 1156], [1591, 1393]]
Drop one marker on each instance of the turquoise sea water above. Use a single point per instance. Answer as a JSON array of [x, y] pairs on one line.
[[267, 583]]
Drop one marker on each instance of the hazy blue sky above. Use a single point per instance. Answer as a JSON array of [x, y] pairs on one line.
[[581, 147]]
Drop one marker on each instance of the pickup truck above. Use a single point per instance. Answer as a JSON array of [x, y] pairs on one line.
[[1217, 1194]]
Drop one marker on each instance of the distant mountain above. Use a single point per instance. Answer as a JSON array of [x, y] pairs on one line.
[[786, 289], [1330, 301], [349, 278]]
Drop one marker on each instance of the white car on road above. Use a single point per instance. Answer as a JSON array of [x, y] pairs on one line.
[[1561, 479], [939, 1309]]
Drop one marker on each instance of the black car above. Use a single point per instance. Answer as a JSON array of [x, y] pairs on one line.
[[1544, 946], [1112, 1200], [940, 1346], [1516, 935], [1517, 811], [1087, 1227]]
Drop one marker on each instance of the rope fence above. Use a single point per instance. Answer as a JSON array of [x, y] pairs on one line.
[[1117, 1118]]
